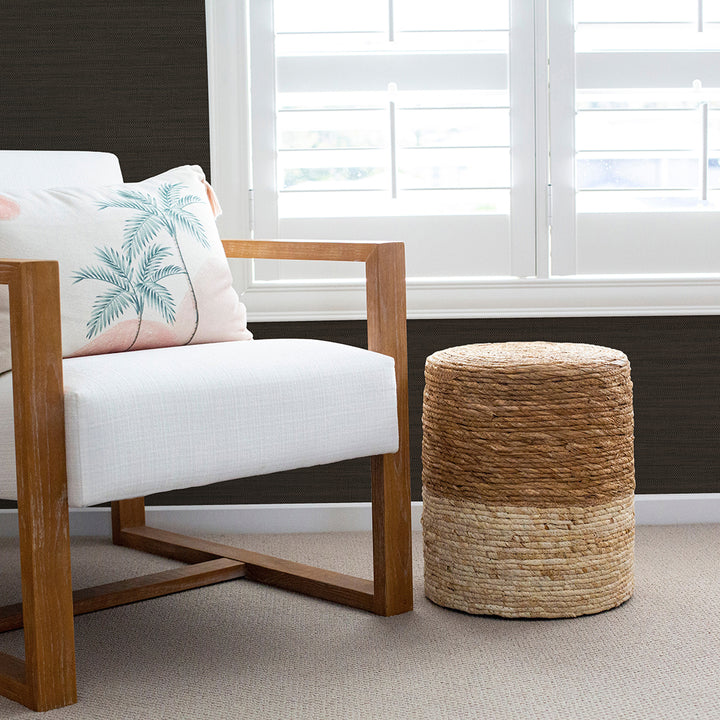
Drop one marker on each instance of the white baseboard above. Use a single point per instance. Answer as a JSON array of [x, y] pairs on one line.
[[677, 509]]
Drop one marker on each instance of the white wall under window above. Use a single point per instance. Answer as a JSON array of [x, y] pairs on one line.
[[535, 160]]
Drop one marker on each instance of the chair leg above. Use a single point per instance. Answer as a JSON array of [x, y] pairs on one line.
[[47, 604], [126, 514], [391, 521], [46, 679]]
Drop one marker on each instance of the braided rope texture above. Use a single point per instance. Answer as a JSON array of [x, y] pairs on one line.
[[528, 479]]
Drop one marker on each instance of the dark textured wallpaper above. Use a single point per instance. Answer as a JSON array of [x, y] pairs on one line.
[[124, 76], [131, 78]]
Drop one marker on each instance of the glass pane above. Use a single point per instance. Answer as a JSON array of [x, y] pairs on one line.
[[635, 170], [431, 15], [644, 148], [637, 129], [332, 42], [714, 172], [641, 140], [315, 16], [649, 25], [322, 101], [620, 11], [492, 40], [457, 127], [714, 126], [331, 129], [453, 168], [328, 26], [332, 170], [711, 11], [646, 36]]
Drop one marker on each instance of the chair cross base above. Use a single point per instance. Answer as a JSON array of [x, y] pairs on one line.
[[208, 563]]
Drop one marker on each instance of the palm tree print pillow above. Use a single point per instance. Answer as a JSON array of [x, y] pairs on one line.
[[141, 264]]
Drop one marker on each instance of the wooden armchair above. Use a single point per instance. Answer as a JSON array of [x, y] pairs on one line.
[[46, 678]]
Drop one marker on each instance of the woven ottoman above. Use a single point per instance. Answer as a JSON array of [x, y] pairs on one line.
[[528, 479]]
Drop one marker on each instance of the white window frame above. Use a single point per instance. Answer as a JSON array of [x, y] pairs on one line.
[[563, 294]]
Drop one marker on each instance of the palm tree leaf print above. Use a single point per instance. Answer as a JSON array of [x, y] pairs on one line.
[[188, 200], [115, 261], [152, 258], [169, 193], [190, 223], [107, 308], [116, 272], [103, 274], [141, 230], [166, 271], [158, 297], [130, 200]]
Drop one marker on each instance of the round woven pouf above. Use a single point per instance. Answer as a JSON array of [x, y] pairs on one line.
[[528, 479]]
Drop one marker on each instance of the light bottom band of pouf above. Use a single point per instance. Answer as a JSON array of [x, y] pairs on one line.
[[528, 479]]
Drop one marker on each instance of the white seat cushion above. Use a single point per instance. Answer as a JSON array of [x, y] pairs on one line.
[[153, 420]]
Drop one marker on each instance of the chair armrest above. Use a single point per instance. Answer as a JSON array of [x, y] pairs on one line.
[[302, 249], [384, 273], [385, 292]]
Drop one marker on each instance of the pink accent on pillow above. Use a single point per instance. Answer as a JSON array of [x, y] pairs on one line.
[[9, 209], [224, 318], [212, 199], [119, 337]]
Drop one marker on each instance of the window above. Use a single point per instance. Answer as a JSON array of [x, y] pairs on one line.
[[536, 157], [641, 80], [391, 120]]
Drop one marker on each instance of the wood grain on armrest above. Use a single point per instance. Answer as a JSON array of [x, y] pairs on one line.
[[301, 249], [9, 268]]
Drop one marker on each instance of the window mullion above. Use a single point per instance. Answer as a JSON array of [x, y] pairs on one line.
[[543, 207], [522, 140], [263, 118], [561, 42]]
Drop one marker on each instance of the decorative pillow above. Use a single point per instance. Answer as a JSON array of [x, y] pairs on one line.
[[141, 264]]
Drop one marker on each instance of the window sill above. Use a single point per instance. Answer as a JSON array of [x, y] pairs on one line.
[[570, 296]]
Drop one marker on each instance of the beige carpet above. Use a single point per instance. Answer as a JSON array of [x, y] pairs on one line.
[[241, 650]]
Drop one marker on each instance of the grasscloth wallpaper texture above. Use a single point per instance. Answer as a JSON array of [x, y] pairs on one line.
[[131, 78], [125, 76]]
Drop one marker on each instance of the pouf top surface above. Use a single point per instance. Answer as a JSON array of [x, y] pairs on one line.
[[527, 354]]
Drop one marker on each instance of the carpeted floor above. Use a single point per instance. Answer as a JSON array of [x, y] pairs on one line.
[[242, 650]]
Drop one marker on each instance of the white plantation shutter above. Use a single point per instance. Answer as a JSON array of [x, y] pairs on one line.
[[537, 157], [646, 96], [391, 119]]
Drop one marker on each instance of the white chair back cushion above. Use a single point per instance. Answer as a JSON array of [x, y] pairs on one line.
[[152, 420], [42, 169]]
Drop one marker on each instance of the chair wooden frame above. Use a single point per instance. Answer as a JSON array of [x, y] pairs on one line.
[[46, 678]]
